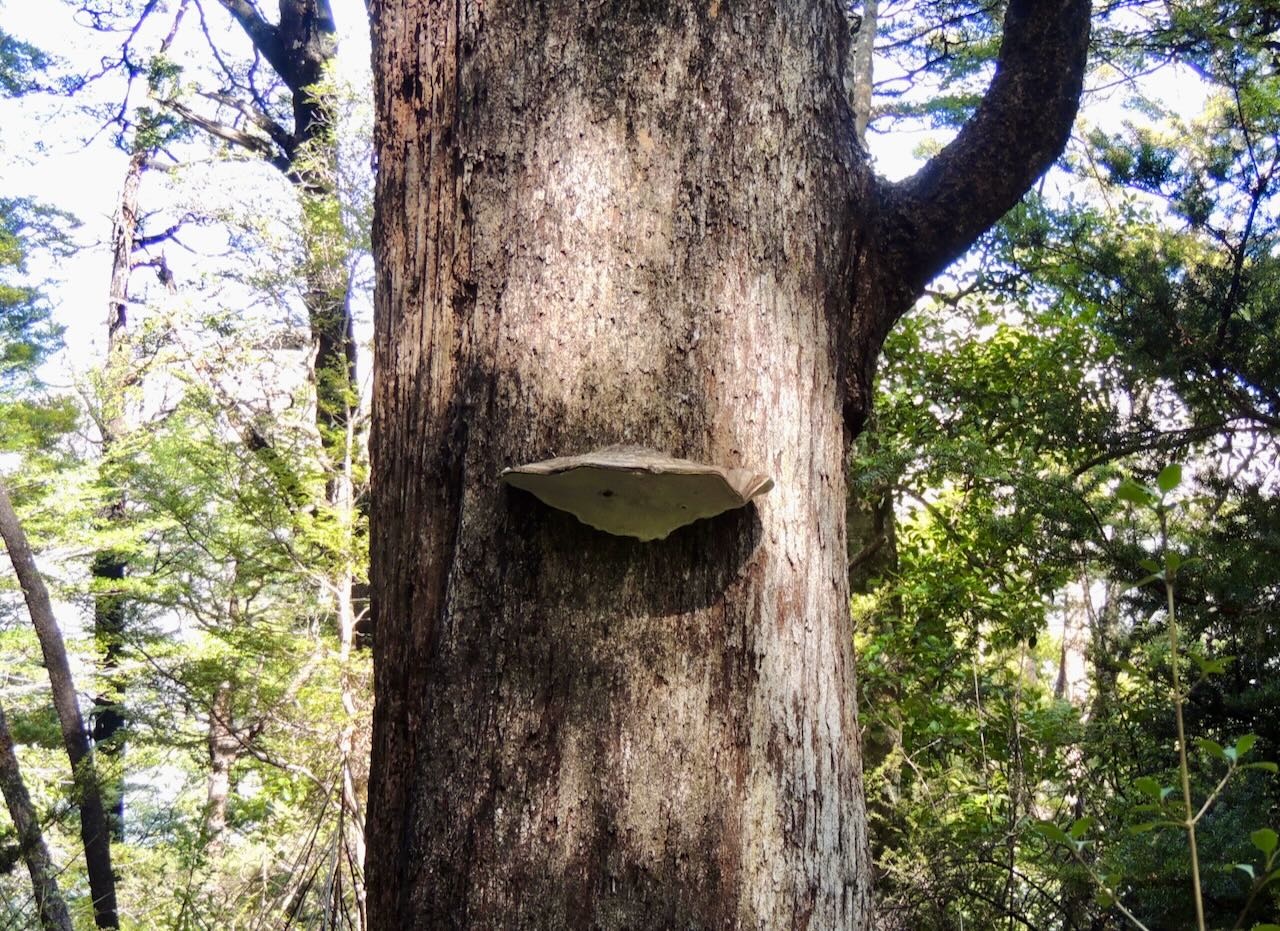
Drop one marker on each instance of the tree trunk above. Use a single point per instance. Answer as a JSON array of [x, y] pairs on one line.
[[44, 876], [646, 224], [119, 376], [94, 829], [224, 749], [300, 49]]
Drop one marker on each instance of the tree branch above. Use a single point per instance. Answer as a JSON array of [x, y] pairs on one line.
[[264, 36], [248, 141], [279, 135], [1019, 128]]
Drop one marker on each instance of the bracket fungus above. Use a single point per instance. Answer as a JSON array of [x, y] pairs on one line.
[[636, 492]]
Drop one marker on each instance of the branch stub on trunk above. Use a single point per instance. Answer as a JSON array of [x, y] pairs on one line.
[[632, 491]]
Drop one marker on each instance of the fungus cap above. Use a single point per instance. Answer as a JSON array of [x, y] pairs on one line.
[[636, 492]]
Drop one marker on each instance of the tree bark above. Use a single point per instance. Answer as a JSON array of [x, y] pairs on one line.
[[859, 76], [94, 825], [645, 224], [44, 875], [224, 749]]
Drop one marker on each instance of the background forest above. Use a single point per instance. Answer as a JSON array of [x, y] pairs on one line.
[[1064, 527]]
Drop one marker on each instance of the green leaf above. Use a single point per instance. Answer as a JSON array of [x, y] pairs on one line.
[[1052, 832], [1172, 562], [1216, 666], [1080, 826], [1145, 580], [1245, 743], [1265, 765], [1133, 493], [1266, 927], [1264, 839], [1149, 564], [1170, 478], [1147, 786], [1211, 747], [1143, 827]]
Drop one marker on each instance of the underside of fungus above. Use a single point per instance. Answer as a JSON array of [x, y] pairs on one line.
[[636, 492]]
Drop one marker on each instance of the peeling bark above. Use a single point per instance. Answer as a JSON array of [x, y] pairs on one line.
[[645, 224]]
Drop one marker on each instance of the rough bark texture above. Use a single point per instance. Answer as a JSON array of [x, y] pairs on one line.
[[50, 907], [640, 223], [94, 830], [859, 76]]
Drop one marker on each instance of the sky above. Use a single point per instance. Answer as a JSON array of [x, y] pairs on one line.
[[54, 151]]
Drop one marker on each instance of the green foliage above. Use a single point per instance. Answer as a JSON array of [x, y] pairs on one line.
[[20, 66], [1094, 336]]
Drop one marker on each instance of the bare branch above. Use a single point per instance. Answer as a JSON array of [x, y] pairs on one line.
[[247, 141], [279, 135]]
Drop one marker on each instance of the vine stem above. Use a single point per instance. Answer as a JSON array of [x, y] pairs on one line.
[[1184, 771]]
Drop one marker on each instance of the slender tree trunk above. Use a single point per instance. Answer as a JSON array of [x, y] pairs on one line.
[[119, 376], [352, 776], [44, 875], [643, 224], [94, 825]]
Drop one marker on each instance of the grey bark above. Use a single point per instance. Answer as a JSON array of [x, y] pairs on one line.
[[224, 747], [50, 907], [648, 224], [859, 75], [94, 825]]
